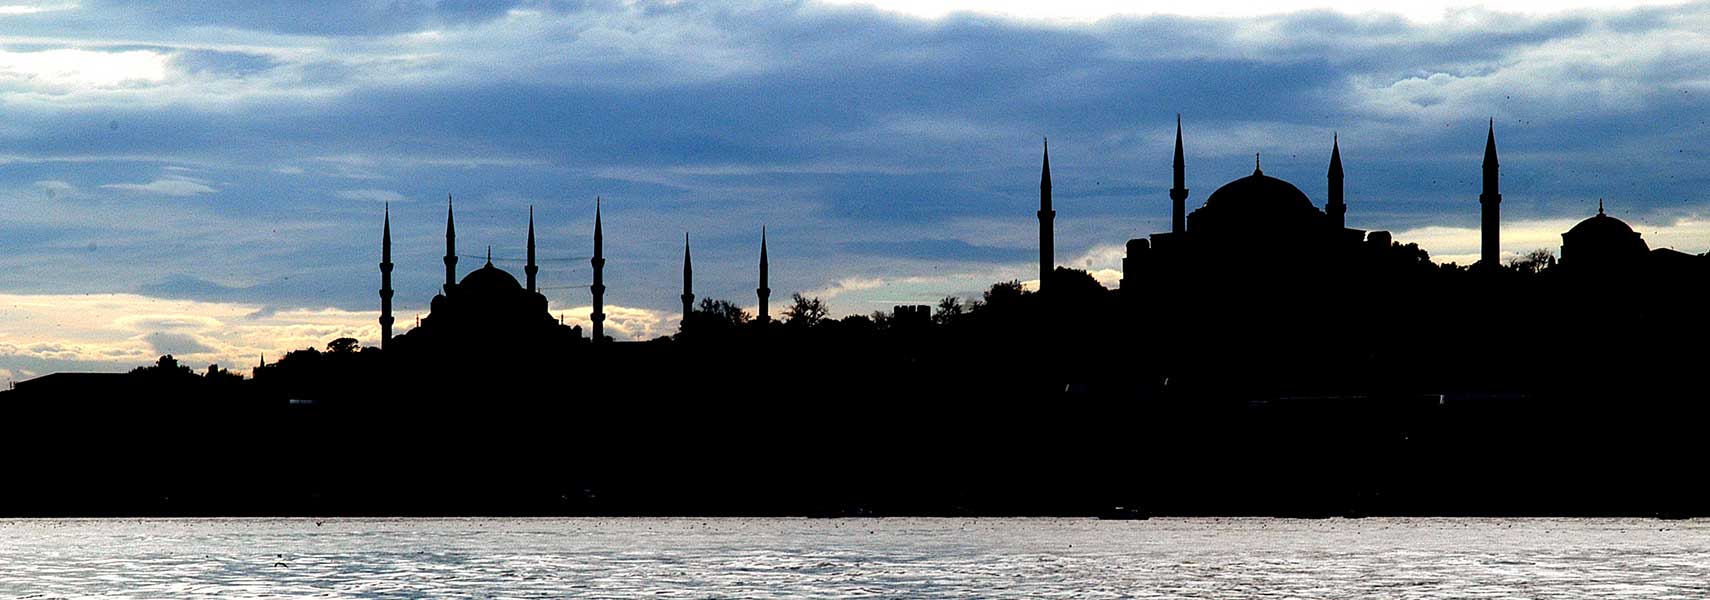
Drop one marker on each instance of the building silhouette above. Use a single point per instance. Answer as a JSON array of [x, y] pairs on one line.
[[598, 289], [765, 290], [385, 280], [1602, 242], [1490, 203], [1245, 227], [1047, 218], [488, 311], [688, 280]]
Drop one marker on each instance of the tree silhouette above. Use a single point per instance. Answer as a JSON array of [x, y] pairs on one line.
[[1074, 283], [1536, 261], [804, 312], [1003, 294], [713, 318], [343, 345], [724, 311], [949, 309]]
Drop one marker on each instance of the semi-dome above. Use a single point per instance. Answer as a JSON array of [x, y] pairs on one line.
[[487, 278]]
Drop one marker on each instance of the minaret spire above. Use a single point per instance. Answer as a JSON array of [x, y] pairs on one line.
[[688, 280], [1179, 193], [1047, 217], [599, 287], [764, 292], [531, 269], [1490, 201], [450, 247], [385, 280], [1336, 207]]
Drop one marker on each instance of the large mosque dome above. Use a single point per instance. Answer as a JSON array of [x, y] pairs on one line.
[[1256, 205], [1260, 192], [488, 279]]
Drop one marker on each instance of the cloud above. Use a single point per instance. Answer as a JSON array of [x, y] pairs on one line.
[[371, 195], [64, 69], [55, 189], [178, 187], [116, 332], [181, 344], [622, 322]]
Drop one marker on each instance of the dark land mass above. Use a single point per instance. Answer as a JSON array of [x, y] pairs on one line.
[[970, 414]]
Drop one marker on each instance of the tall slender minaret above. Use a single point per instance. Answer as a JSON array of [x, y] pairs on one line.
[[450, 247], [1178, 193], [1336, 208], [1046, 217], [531, 269], [599, 287], [386, 279], [688, 280], [1491, 200], [763, 291]]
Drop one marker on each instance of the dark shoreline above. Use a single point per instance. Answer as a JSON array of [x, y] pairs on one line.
[[1518, 456]]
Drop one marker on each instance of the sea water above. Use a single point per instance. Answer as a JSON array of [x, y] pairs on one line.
[[854, 558]]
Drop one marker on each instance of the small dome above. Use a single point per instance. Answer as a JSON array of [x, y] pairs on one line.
[[1601, 226], [1260, 191], [489, 277]]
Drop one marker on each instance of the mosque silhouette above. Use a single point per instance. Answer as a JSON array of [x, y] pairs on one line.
[[1260, 357]]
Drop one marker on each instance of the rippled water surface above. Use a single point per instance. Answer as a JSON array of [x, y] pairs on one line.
[[702, 558]]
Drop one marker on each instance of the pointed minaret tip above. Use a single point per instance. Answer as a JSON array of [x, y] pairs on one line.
[[1490, 145], [1335, 155]]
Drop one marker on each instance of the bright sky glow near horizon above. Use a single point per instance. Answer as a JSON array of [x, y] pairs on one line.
[[206, 178]]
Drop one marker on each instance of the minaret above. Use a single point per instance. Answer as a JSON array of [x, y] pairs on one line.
[[386, 279], [1046, 217], [450, 248], [688, 280], [763, 291], [1336, 208], [1178, 194], [1491, 202], [599, 287], [530, 270]]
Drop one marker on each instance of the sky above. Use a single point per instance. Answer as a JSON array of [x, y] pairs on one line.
[[207, 179]]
